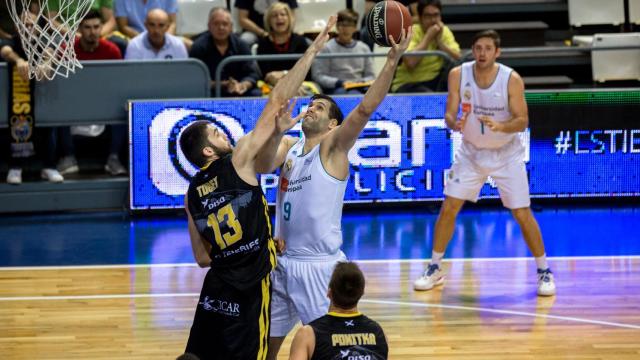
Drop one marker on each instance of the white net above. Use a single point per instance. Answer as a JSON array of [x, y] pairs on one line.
[[47, 34]]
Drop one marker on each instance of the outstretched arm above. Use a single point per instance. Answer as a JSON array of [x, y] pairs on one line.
[[346, 135], [277, 143], [245, 154]]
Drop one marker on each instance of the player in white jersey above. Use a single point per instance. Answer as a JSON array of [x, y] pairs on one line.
[[313, 176], [494, 111]]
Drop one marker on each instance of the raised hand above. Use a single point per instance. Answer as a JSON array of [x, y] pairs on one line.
[[397, 49], [323, 37], [284, 121]]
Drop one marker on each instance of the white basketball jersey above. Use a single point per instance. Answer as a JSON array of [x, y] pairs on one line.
[[309, 205], [492, 102]]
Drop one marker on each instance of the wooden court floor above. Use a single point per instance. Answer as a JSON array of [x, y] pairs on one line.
[[487, 309]]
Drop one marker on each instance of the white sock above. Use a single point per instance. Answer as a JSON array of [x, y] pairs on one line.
[[436, 257], [541, 262]]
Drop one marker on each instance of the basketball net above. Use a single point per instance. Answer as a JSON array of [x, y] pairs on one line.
[[48, 41]]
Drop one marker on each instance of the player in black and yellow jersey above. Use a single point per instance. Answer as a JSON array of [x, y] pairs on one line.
[[229, 225], [343, 333]]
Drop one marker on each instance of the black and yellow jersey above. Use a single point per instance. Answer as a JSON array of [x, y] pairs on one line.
[[348, 336], [233, 216]]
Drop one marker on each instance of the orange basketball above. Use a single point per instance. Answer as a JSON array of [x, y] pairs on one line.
[[387, 18]]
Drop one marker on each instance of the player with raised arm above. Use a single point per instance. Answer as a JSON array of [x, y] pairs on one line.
[[230, 229], [313, 177]]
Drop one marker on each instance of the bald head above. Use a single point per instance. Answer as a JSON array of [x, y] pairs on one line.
[[157, 15], [157, 24]]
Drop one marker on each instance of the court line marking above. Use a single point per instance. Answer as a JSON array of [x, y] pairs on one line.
[[374, 261], [503, 312], [369, 301]]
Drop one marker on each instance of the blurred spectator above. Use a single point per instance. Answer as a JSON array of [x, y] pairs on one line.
[[368, 4], [278, 21], [156, 42], [7, 28], [131, 14], [344, 75], [238, 78], [90, 46], [13, 53], [425, 73], [251, 18], [103, 7]]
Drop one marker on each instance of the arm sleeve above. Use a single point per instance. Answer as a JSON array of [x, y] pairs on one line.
[[369, 74], [171, 6], [449, 39], [132, 52], [119, 9], [320, 70]]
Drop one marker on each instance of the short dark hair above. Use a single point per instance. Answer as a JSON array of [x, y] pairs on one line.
[[334, 110], [92, 14], [346, 285], [348, 16], [424, 3], [192, 140], [492, 34]]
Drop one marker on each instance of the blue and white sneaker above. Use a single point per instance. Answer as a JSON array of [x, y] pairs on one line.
[[433, 276], [546, 285]]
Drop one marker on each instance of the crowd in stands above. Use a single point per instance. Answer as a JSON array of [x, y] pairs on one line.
[[146, 30]]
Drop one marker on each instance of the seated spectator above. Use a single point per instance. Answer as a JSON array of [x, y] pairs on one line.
[[278, 21], [131, 14], [424, 73], [317, 340], [90, 46], [104, 7], [251, 18], [156, 42], [368, 4], [13, 53], [344, 75], [238, 78]]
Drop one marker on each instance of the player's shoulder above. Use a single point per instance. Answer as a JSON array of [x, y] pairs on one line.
[[515, 78]]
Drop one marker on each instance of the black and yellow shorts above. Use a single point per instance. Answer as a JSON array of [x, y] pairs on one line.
[[231, 323]]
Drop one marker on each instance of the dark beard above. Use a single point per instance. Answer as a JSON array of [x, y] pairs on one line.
[[221, 153]]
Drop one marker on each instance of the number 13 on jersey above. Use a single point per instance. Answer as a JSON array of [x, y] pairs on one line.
[[225, 215]]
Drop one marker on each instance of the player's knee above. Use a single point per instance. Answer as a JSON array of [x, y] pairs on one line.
[[522, 214], [451, 207]]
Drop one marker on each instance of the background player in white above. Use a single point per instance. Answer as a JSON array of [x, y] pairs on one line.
[[313, 177], [494, 112]]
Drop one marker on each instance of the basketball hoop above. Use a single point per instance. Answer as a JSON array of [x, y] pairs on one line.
[[48, 41]]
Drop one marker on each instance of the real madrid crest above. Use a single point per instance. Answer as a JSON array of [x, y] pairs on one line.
[[21, 127], [288, 165]]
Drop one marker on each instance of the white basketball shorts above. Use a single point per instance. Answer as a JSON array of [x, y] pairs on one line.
[[300, 291], [505, 165]]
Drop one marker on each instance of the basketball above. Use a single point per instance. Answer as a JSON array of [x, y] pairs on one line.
[[387, 18]]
